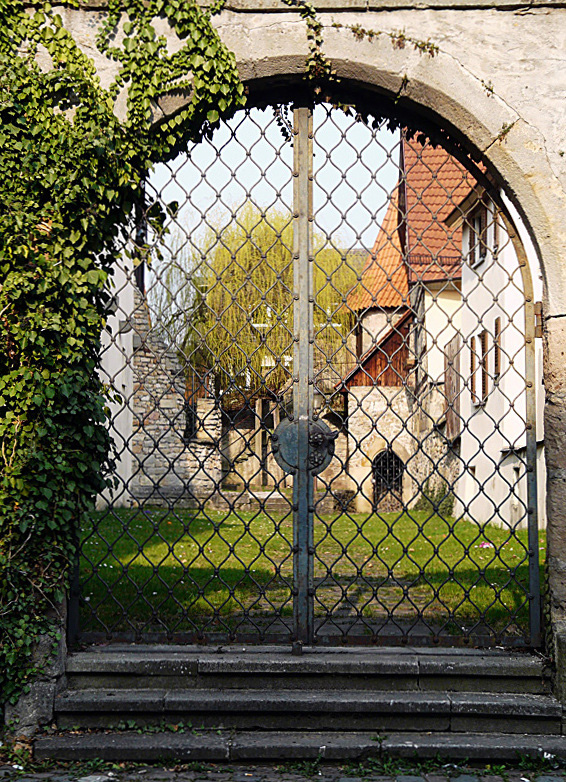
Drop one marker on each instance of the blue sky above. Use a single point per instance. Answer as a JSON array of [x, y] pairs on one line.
[[355, 171]]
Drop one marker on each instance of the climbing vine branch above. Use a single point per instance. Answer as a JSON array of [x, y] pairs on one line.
[[71, 172]]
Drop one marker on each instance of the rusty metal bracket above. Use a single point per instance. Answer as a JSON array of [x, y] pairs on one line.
[[538, 319]]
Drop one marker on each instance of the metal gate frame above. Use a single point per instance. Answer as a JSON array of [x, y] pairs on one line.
[[304, 414], [535, 601], [303, 496], [303, 509]]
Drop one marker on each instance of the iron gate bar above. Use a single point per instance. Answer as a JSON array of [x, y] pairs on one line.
[[303, 496]]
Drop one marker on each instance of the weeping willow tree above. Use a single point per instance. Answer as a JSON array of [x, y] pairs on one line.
[[227, 300]]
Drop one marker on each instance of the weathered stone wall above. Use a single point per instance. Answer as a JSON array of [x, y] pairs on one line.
[[35, 707], [164, 466], [244, 467], [394, 416], [378, 418], [437, 464], [335, 479]]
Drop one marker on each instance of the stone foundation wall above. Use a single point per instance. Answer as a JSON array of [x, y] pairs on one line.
[[36, 707], [378, 418], [244, 468], [394, 416], [437, 465]]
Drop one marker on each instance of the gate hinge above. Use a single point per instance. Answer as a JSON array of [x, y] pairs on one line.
[[538, 318]]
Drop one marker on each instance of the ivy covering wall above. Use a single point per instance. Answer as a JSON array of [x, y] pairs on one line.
[[70, 172]]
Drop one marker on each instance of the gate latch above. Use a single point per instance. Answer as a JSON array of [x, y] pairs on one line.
[[284, 444]]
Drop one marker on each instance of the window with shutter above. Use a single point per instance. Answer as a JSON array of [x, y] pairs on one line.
[[484, 365], [473, 370], [477, 236], [497, 349]]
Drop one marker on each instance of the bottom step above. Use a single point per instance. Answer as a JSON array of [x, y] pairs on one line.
[[282, 746]]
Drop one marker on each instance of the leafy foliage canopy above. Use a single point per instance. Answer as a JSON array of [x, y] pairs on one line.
[[227, 302]]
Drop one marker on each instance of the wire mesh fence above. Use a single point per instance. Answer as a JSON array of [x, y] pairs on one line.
[[326, 398]]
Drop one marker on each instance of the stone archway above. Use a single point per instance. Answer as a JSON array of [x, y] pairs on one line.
[[510, 115], [445, 89]]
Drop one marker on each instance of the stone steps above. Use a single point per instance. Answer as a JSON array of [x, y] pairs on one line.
[[274, 668], [188, 702], [378, 710], [293, 746]]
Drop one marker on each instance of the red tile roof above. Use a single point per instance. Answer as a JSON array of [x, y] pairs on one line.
[[384, 276], [435, 183], [432, 184]]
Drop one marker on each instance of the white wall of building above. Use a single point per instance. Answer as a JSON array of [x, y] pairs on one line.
[[493, 482], [443, 312]]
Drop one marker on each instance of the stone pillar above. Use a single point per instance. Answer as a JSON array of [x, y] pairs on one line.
[[555, 450]]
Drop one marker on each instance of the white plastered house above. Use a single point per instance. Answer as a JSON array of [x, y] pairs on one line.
[[492, 386], [454, 411]]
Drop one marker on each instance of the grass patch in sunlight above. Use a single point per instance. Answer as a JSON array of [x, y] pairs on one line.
[[184, 568]]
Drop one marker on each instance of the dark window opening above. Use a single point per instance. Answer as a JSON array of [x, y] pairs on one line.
[[140, 240], [191, 420], [388, 471], [139, 277], [497, 349], [473, 369], [477, 236], [484, 365]]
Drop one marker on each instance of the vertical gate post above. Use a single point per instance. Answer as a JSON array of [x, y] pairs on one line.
[[531, 454], [303, 548]]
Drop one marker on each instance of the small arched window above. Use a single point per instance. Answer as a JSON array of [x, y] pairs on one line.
[[388, 471]]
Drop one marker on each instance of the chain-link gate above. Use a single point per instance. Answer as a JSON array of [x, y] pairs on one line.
[[326, 398]]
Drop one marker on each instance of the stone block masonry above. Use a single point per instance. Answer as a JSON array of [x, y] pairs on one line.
[[166, 466], [392, 416]]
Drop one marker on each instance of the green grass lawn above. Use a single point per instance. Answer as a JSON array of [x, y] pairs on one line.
[[182, 570]]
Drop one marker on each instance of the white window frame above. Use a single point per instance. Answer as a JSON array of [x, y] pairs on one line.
[[478, 236]]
